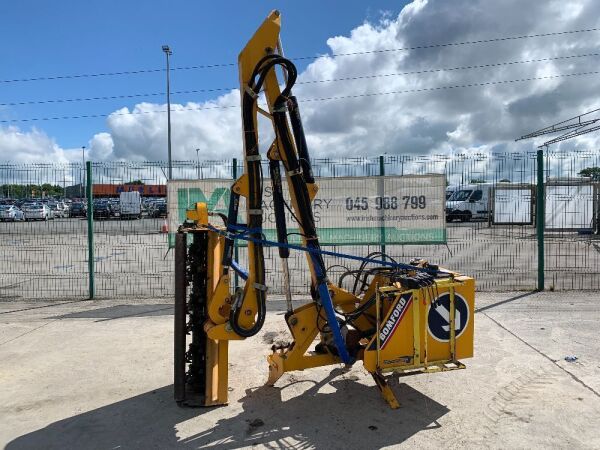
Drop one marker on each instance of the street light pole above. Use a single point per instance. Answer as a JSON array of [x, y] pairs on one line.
[[83, 168], [168, 52], [198, 161]]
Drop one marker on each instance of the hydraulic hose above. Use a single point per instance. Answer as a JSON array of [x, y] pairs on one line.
[[230, 223], [297, 180], [254, 204], [300, 139], [299, 172], [278, 206]]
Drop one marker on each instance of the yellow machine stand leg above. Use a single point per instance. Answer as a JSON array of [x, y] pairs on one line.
[[385, 390]]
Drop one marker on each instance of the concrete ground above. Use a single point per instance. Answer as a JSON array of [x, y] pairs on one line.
[[98, 374]]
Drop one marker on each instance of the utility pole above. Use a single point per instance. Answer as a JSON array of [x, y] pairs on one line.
[[168, 52]]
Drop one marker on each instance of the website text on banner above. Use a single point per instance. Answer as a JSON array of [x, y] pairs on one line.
[[348, 210]]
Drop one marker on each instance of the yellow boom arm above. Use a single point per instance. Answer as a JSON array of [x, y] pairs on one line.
[[407, 318]]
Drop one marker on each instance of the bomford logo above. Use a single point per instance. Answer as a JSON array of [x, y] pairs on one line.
[[394, 319]]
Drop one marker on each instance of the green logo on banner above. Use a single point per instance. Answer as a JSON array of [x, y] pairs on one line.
[[188, 197]]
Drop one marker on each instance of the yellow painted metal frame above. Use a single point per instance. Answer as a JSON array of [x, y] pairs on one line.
[[303, 327], [217, 302], [264, 41], [217, 372], [303, 321], [420, 354], [199, 214], [418, 296]]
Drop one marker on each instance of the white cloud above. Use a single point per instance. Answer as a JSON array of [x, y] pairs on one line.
[[143, 134], [33, 146], [428, 121], [101, 147]]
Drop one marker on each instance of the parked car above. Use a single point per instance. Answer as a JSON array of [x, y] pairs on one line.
[[25, 205], [160, 210], [78, 210], [65, 208], [115, 207], [56, 209], [38, 211], [11, 213], [150, 206], [102, 210]]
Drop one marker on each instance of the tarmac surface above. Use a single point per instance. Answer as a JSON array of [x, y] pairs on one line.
[[98, 375]]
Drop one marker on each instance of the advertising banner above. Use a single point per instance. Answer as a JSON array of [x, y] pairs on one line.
[[347, 210]]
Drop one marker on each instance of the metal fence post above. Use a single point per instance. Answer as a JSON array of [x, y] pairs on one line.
[[382, 227], [540, 217], [90, 228], [235, 246]]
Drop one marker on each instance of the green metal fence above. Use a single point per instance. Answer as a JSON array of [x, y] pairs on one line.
[[73, 257]]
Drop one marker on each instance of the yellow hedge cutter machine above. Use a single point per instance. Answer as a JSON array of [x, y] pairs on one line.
[[404, 318]]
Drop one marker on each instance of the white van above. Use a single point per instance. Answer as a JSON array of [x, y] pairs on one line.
[[131, 205], [451, 190], [468, 202]]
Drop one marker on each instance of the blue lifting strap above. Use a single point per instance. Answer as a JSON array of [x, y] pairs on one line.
[[243, 273], [322, 289], [334, 326], [319, 251]]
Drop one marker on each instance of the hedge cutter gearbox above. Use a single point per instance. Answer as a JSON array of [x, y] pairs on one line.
[[404, 318]]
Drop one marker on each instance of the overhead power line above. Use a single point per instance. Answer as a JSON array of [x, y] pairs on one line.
[[457, 86], [453, 44], [449, 69], [340, 97], [111, 97], [331, 80], [300, 58]]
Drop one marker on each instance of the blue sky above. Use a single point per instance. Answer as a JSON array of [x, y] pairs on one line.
[[45, 38], [374, 102]]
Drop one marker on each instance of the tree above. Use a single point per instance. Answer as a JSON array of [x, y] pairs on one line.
[[28, 190], [477, 181], [504, 180], [136, 182], [592, 172]]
